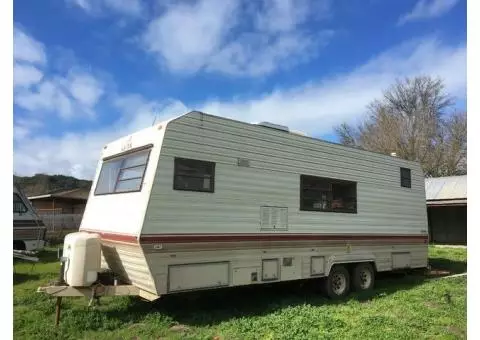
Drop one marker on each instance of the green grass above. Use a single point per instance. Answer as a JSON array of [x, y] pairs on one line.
[[401, 307]]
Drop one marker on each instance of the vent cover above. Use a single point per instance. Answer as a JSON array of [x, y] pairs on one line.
[[274, 126], [273, 218]]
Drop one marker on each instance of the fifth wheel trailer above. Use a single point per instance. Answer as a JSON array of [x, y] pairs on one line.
[[28, 229], [203, 202]]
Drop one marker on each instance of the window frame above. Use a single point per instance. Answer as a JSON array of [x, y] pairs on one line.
[[331, 181], [125, 155], [212, 165], [408, 178], [19, 201]]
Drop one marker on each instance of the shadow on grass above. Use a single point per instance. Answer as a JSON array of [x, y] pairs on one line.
[[49, 255], [211, 307], [24, 277], [443, 267]]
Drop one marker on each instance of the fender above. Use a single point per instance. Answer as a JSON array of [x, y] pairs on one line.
[[348, 258]]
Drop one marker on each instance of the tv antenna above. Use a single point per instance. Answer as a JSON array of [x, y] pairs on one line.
[[154, 117]]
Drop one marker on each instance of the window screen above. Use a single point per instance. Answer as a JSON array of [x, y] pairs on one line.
[[18, 206], [194, 175], [122, 174], [405, 178], [326, 194]]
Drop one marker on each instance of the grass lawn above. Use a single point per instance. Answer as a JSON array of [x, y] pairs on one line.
[[401, 307]]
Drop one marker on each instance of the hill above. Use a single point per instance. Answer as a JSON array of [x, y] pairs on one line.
[[42, 184]]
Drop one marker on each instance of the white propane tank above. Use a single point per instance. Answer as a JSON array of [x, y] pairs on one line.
[[82, 252]]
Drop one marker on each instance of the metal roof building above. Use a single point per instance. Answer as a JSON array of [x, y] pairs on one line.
[[447, 209], [450, 190]]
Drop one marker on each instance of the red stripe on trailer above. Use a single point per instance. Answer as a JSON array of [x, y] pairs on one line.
[[113, 236], [187, 238]]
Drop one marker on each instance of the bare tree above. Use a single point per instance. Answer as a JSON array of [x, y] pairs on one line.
[[413, 119]]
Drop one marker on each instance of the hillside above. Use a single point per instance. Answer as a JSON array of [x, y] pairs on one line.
[[42, 184]]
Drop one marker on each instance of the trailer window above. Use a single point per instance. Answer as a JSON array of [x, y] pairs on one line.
[[122, 174], [18, 206], [405, 178], [326, 194], [194, 175]]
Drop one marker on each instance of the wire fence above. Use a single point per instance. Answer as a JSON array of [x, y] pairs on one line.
[[55, 222], [59, 225]]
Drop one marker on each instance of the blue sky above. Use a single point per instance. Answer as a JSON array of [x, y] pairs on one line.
[[89, 71]]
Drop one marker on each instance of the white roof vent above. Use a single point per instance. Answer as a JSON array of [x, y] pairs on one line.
[[300, 133], [274, 126]]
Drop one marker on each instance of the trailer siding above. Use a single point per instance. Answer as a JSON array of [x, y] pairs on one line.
[[219, 234], [128, 262], [245, 261], [276, 160]]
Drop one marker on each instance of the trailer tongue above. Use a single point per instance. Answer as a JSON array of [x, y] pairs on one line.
[[81, 276]]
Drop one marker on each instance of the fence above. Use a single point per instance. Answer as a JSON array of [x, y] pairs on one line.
[[55, 222]]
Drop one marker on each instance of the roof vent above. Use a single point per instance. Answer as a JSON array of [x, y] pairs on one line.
[[300, 133], [274, 126]]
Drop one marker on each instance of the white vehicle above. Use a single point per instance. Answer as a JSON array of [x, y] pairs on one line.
[[28, 229], [202, 202]]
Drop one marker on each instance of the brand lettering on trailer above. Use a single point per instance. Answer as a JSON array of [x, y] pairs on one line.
[[127, 144]]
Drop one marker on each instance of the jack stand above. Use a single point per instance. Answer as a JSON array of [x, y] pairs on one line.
[[58, 307]]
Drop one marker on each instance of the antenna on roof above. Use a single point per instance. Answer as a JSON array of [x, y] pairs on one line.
[[154, 117]]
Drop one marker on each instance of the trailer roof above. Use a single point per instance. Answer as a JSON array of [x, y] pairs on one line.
[[291, 132]]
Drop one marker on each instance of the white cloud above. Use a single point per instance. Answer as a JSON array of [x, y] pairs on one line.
[[85, 89], [25, 48], [427, 9], [282, 15], [45, 154], [25, 75], [23, 128], [73, 94], [313, 107], [207, 35], [187, 35], [126, 7], [316, 107], [47, 97]]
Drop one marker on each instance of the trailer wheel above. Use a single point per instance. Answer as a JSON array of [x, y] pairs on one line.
[[337, 284], [19, 245], [363, 277]]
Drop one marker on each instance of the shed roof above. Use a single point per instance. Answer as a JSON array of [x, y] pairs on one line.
[[78, 194], [451, 188]]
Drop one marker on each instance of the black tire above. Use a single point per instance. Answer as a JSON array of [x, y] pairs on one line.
[[19, 245], [337, 284], [363, 277]]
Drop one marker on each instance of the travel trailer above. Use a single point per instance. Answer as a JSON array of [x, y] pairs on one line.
[[28, 229], [203, 202]]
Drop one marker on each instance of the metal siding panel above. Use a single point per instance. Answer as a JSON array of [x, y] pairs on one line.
[[129, 263], [252, 259], [273, 179]]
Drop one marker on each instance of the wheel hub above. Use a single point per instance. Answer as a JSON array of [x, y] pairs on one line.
[[339, 283], [365, 279]]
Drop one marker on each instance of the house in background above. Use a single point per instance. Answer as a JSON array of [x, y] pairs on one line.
[[447, 209], [61, 209]]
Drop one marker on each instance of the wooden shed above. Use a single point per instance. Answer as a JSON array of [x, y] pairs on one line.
[[447, 209]]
